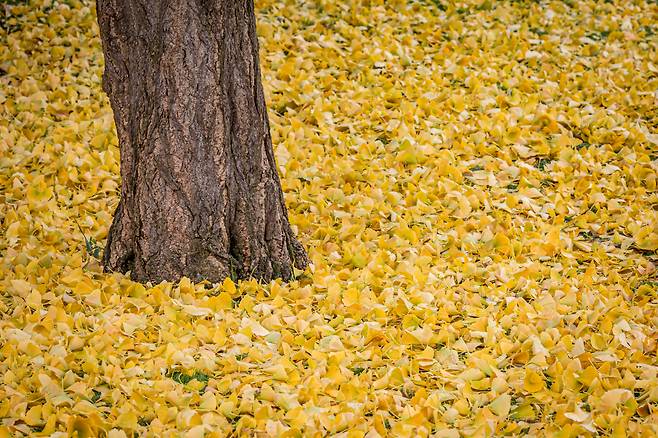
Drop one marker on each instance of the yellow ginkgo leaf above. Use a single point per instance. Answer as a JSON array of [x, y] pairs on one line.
[[501, 405], [533, 382], [38, 191]]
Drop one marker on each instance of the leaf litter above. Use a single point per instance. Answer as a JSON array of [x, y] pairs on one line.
[[475, 182]]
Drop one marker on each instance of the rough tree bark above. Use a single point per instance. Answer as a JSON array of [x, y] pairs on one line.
[[200, 193]]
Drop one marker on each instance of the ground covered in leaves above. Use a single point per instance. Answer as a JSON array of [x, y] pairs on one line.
[[476, 186]]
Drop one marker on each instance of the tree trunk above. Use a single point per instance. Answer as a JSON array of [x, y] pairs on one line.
[[200, 193]]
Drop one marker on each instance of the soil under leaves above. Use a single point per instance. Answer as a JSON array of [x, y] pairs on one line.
[[475, 184]]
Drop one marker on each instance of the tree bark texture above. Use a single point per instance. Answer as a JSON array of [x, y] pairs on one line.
[[200, 193]]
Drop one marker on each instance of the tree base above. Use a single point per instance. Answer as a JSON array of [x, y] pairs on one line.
[[243, 256]]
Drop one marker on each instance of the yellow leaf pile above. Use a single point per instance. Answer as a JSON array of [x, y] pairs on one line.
[[475, 182]]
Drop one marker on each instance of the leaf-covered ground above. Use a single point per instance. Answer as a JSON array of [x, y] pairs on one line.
[[475, 184]]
